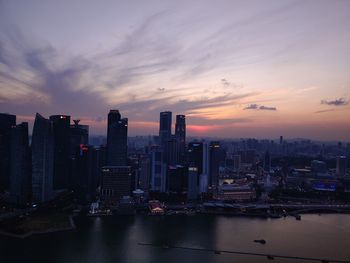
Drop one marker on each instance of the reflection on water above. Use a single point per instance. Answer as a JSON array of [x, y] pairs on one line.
[[115, 239]]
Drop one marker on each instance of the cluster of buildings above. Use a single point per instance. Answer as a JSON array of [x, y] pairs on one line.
[[58, 157]]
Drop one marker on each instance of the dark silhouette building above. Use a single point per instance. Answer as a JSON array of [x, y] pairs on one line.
[[116, 182], [20, 176], [117, 138], [85, 173], [341, 166], [7, 121], [195, 156], [165, 127], [215, 157], [180, 134], [79, 135], [177, 179], [42, 148], [195, 168], [61, 135]]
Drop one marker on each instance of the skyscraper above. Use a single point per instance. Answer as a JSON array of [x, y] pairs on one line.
[[180, 134], [42, 159], [165, 126], [195, 169], [116, 182], [61, 133], [195, 156], [158, 170], [117, 139], [79, 135], [215, 158], [20, 176], [6, 122], [341, 166]]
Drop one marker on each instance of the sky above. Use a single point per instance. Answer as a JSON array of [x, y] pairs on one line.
[[236, 69]]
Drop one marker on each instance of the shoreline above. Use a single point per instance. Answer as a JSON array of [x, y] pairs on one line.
[[210, 213], [32, 233]]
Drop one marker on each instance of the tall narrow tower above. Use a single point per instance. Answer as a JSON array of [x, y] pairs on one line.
[[117, 139], [180, 134], [165, 127]]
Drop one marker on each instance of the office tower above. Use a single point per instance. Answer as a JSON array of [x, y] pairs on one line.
[[341, 166], [164, 127], [171, 151], [79, 135], [195, 155], [281, 139], [6, 122], [85, 176], [180, 134], [193, 183], [116, 181], [20, 175], [267, 162], [158, 170], [195, 168], [117, 139], [237, 162], [215, 158], [145, 174], [61, 135], [176, 179], [204, 177], [42, 159]]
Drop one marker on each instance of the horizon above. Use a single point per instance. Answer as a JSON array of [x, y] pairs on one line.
[[234, 68], [188, 128]]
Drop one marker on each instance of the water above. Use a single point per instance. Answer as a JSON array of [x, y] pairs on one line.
[[115, 239]]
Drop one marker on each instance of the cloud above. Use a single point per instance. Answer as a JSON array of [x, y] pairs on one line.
[[259, 107], [323, 111], [336, 102], [100, 119]]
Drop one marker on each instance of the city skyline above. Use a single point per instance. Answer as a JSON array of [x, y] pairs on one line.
[[235, 69]]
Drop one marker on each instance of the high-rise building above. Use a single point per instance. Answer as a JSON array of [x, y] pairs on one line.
[[145, 174], [116, 182], [193, 183], [176, 179], [42, 159], [165, 126], [158, 170], [195, 156], [20, 176], [341, 166], [171, 151], [61, 133], [180, 134], [215, 158], [6, 123], [79, 135], [85, 176], [195, 169], [117, 139], [204, 177]]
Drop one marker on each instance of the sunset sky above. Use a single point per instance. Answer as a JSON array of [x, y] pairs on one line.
[[235, 68]]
